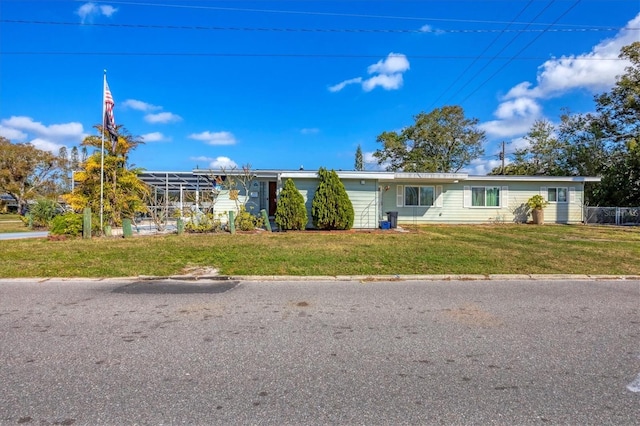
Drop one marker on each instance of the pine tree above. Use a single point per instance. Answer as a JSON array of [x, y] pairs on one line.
[[291, 212], [359, 160], [331, 207]]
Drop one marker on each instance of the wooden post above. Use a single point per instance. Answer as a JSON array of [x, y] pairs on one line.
[[127, 232], [232, 222], [265, 217], [86, 223]]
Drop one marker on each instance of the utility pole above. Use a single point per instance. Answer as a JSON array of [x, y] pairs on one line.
[[502, 158]]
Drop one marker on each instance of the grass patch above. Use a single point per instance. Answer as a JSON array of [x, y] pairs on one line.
[[460, 249], [12, 223]]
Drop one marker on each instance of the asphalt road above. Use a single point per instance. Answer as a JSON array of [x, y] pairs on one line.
[[206, 352]]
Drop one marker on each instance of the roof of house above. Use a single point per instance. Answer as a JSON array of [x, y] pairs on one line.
[[199, 179]]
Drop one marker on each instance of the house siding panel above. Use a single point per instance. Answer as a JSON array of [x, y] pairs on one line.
[[515, 210]]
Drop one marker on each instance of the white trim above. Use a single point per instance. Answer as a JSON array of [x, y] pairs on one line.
[[504, 196], [399, 196], [466, 196]]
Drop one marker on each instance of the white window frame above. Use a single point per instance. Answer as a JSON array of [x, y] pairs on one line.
[[500, 189], [433, 198], [557, 189]]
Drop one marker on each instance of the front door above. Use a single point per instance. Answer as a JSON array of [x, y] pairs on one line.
[[273, 197]]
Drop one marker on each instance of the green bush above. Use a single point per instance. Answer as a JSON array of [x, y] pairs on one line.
[[42, 212], [331, 207], [69, 223], [245, 221], [201, 223], [291, 213]]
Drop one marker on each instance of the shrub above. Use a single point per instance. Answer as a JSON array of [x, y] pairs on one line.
[[69, 223], [199, 223], [291, 213], [537, 202], [331, 207], [42, 212], [245, 221]]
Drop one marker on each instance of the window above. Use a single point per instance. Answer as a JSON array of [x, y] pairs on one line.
[[557, 195], [485, 196], [418, 195]]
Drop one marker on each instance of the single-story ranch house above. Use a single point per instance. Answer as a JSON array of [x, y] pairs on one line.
[[418, 198]]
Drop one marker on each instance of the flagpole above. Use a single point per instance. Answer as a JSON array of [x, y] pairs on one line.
[[104, 90]]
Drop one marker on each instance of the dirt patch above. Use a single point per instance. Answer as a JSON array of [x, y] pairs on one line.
[[199, 271]]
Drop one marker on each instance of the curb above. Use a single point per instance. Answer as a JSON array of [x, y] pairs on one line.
[[343, 278]]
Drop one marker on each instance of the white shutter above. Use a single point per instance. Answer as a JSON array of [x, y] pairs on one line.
[[504, 196], [543, 192], [572, 194], [466, 196], [438, 195], [399, 196]]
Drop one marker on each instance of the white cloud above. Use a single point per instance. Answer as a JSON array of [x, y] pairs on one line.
[[13, 135], [338, 87], [89, 11], [593, 71], [49, 138], [481, 167], [162, 118], [46, 145], [387, 82], [310, 131], [223, 163], [153, 137], [140, 106], [108, 10], [216, 163], [387, 73], [429, 29], [214, 138], [394, 63], [202, 158]]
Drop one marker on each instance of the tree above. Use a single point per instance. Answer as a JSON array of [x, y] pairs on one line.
[[124, 193], [26, 172], [359, 164], [619, 119], [65, 169], [331, 207], [545, 155], [75, 159], [291, 212], [442, 141]]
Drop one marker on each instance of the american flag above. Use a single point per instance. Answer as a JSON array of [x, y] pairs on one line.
[[109, 119]]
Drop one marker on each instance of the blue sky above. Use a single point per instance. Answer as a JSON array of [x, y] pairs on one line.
[[291, 83]]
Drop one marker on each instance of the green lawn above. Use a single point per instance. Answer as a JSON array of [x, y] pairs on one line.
[[12, 223], [459, 249]]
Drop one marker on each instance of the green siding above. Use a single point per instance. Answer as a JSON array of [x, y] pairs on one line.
[[454, 211], [364, 197]]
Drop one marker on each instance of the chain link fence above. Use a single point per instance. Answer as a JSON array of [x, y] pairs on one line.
[[612, 215]]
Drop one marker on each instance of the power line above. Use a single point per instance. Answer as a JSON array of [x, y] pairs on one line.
[[312, 13], [288, 55], [314, 30], [519, 52], [492, 59], [457, 79]]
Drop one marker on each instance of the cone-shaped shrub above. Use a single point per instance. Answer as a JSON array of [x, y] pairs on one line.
[[331, 207], [291, 213]]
